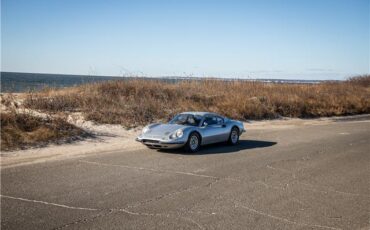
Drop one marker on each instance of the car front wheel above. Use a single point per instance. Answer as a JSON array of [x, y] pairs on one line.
[[193, 143], [234, 136]]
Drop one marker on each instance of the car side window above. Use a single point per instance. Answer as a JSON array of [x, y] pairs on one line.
[[210, 120], [192, 120], [206, 121], [220, 120]]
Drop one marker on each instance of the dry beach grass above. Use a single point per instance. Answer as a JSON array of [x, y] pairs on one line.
[[21, 130], [138, 102]]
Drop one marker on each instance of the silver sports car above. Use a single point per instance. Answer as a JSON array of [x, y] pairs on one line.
[[191, 130]]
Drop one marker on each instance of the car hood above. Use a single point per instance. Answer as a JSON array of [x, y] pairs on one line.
[[162, 130]]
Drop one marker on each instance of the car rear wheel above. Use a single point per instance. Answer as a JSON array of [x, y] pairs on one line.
[[193, 143], [234, 136]]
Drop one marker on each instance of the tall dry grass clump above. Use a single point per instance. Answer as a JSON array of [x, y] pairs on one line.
[[137, 102], [363, 80], [19, 130]]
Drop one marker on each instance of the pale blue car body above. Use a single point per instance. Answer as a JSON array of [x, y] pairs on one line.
[[160, 136]]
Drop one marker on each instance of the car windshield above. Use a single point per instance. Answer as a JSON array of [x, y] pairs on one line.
[[186, 119]]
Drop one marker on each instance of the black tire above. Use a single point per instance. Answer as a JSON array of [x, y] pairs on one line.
[[189, 146], [233, 140]]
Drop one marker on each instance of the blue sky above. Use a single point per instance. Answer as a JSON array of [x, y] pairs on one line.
[[297, 39]]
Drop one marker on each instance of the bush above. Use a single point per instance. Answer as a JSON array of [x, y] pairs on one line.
[[19, 130]]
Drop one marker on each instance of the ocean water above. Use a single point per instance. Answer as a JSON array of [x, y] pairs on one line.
[[25, 82]]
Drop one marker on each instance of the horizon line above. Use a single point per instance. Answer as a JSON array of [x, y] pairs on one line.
[[183, 77]]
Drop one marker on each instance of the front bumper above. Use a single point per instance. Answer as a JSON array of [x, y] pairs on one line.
[[161, 144]]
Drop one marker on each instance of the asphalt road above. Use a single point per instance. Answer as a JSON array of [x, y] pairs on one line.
[[307, 177]]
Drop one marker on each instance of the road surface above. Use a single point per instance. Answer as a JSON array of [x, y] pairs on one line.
[[304, 177]]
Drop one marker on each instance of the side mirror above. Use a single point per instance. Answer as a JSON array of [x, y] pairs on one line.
[[205, 124]]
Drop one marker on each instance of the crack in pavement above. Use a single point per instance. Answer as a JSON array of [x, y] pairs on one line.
[[283, 219], [163, 196], [106, 212], [281, 170], [150, 169], [330, 190], [122, 210], [219, 178], [313, 187], [229, 178], [159, 215], [193, 221], [110, 211], [48, 203], [84, 220]]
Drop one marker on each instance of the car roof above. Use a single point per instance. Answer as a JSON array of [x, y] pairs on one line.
[[200, 113]]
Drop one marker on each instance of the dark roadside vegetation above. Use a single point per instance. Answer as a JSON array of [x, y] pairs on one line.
[[22, 130], [138, 102]]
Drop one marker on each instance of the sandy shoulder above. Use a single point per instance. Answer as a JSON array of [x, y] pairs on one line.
[[107, 138]]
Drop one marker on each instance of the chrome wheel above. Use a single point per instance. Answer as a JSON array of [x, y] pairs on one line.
[[234, 136], [194, 142]]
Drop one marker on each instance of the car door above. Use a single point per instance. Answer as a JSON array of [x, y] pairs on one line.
[[224, 132], [213, 129]]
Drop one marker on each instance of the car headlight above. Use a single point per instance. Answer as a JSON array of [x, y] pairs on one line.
[[145, 129], [179, 133]]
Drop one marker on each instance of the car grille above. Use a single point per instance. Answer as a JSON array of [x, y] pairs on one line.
[[150, 141]]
